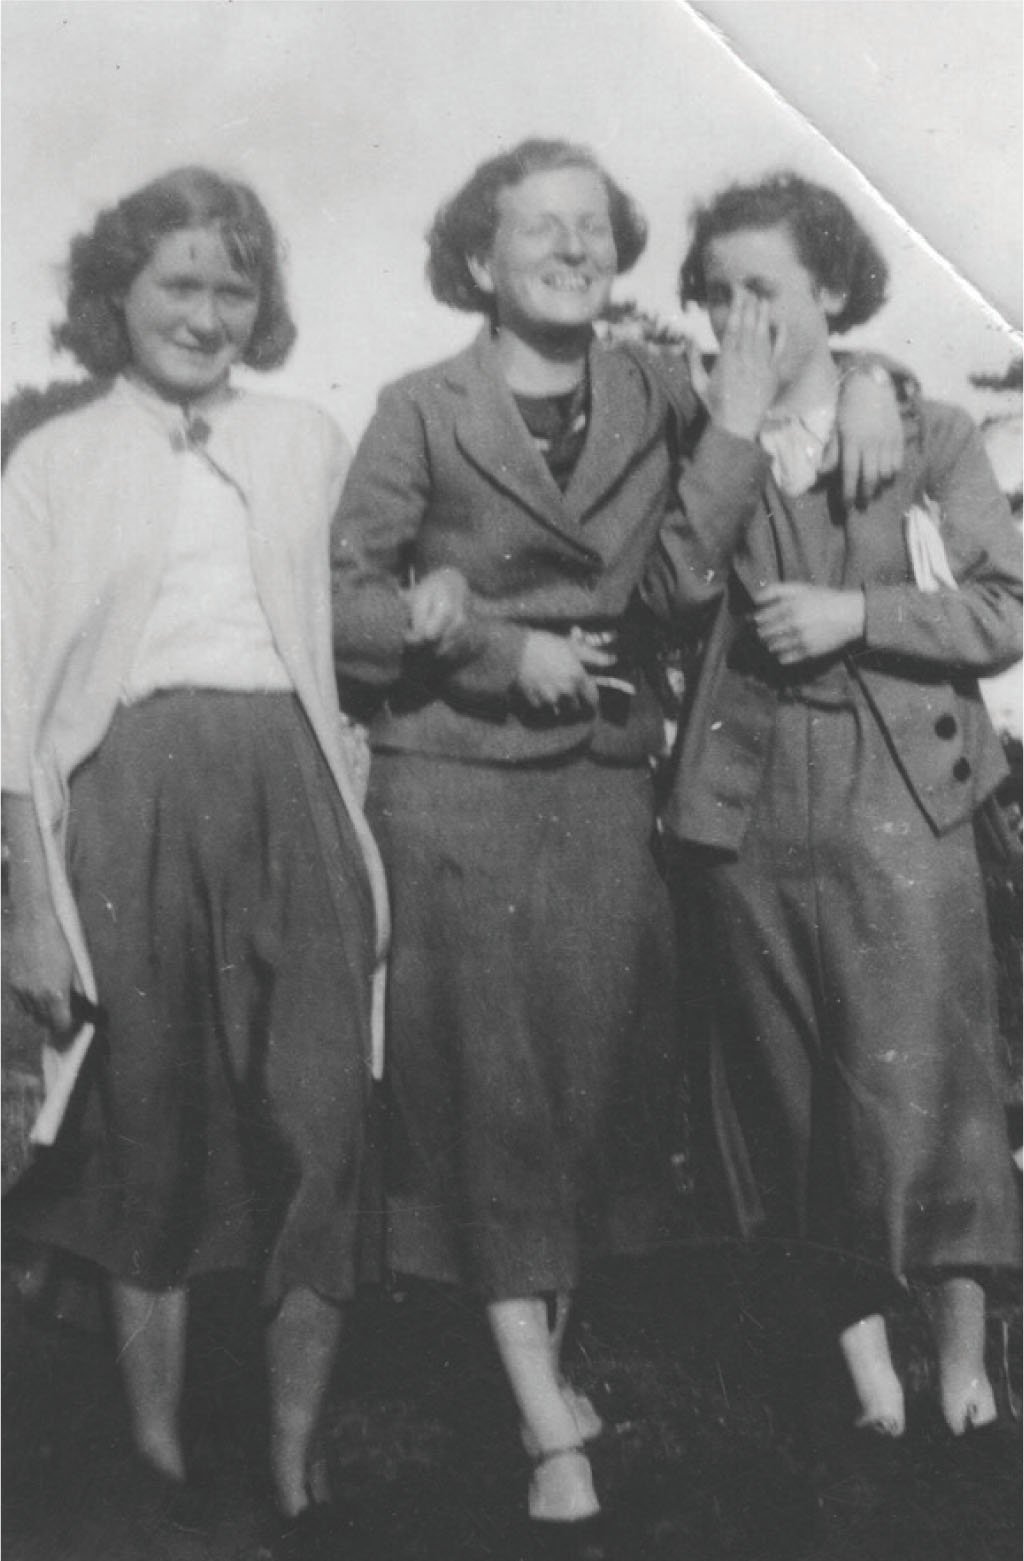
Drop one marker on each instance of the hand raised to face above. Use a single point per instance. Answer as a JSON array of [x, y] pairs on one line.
[[744, 382]]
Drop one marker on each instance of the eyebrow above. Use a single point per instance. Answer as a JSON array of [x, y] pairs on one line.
[[183, 275]]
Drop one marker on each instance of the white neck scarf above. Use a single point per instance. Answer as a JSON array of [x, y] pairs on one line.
[[797, 445]]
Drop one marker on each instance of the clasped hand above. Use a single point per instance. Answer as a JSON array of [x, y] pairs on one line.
[[438, 607], [795, 621], [555, 670]]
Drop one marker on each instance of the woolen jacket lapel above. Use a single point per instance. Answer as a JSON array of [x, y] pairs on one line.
[[493, 438], [627, 416]]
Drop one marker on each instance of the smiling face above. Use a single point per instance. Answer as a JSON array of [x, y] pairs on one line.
[[553, 260], [762, 263], [189, 315]]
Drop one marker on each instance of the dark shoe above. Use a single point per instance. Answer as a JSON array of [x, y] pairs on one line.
[[568, 1539], [579, 1539], [994, 1447], [169, 1503], [312, 1534], [323, 1531]]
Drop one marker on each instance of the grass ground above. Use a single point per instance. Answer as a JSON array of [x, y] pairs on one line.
[[727, 1430]]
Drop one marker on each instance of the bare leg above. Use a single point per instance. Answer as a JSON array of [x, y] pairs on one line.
[[150, 1328], [562, 1488], [865, 1348], [302, 1344], [957, 1309], [588, 1422], [559, 1323]]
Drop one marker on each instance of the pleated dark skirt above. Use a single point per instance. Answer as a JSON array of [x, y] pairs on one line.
[[855, 1071], [532, 1026], [220, 1119]]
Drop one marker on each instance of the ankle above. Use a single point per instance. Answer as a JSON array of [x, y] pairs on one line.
[[161, 1448], [966, 1397], [587, 1423], [879, 1392], [298, 1481], [562, 1487]]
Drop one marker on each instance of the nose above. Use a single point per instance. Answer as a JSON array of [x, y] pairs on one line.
[[570, 242], [203, 316]]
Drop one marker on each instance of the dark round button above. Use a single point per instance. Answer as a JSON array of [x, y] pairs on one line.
[[945, 726], [961, 769]]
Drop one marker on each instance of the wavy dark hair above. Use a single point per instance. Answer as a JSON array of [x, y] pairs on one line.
[[104, 263], [465, 225], [827, 237]]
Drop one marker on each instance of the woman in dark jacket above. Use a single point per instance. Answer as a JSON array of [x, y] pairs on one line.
[[532, 1023], [836, 751]]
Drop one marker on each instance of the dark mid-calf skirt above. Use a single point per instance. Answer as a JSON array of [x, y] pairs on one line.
[[532, 1018], [220, 1118]]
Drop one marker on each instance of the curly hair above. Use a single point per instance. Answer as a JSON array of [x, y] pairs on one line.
[[827, 237], [465, 225], [104, 263]]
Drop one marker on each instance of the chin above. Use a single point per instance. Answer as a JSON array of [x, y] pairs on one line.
[[573, 317], [192, 385]]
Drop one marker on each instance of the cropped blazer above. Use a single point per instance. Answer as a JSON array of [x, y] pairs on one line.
[[922, 651]]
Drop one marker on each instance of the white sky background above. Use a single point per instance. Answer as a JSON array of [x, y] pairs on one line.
[[354, 119]]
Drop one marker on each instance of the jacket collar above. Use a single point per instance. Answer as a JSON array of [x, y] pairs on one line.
[[626, 417], [872, 531]]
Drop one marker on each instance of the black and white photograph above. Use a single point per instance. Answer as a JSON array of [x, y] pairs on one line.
[[512, 709]]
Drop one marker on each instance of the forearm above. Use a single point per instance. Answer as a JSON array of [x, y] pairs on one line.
[[484, 660], [976, 625], [39, 966], [975, 629], [373, 537], [370, 621], [27, 871], [717, 496]]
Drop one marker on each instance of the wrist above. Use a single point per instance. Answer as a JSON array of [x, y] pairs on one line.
[[741, 425], [868, 368]]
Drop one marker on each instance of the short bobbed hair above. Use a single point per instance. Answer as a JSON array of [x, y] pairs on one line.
[[105, 262], [828, 239], [465, 225]]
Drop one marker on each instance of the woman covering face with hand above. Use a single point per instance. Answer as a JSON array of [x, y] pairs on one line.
[[836, 751], [190, 866], [532, 1022]]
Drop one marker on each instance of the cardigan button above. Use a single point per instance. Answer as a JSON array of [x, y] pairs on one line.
[[961, 769], [945, 726]]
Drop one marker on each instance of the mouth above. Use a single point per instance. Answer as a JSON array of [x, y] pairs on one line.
[[567, 282], [200, 350]]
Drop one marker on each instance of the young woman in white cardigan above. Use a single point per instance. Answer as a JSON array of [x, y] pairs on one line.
[[190, 869]]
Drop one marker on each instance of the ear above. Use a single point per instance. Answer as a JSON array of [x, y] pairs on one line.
[[480, 271], [833, 302]]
